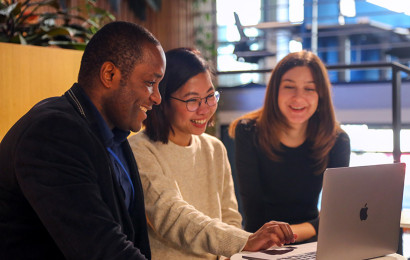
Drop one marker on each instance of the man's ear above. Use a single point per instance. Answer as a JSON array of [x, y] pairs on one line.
[[109, 73]]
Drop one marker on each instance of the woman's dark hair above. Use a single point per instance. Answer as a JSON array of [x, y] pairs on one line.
[[121, 43], [322, 127], [182, 65]]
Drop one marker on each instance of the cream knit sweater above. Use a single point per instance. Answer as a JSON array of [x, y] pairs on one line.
[[189, 198]]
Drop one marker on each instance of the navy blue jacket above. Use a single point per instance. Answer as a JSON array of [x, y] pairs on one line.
[[59, 197]]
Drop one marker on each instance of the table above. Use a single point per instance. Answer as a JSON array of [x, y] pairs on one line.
[[405, 218], [303, 248]]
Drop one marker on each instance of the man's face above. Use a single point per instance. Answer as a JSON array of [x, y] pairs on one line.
[[127, 104]]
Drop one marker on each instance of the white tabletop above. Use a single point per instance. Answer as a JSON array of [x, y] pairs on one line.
[[302, 248], [388, 257], [405, 218], [392, 256]]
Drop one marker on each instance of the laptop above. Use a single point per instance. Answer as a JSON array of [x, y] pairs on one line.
[[359, 216]]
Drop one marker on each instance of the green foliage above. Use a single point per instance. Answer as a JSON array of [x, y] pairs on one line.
[[26, 22], [204, 37]]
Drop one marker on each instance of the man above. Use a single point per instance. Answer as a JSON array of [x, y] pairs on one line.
[[69, 184]]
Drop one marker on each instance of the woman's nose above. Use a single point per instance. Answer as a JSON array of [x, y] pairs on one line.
[[298, 93], [203, 108]]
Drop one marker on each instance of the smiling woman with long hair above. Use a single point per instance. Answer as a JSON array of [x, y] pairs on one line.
[[186, 177], [282, 149]]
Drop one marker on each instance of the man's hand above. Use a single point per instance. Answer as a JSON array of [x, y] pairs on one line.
[[270, 234]]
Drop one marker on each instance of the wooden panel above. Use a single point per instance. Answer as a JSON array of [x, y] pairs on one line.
[[172, 25], [29, 74]]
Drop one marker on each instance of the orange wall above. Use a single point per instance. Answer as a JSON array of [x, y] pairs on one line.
[[29, 74]]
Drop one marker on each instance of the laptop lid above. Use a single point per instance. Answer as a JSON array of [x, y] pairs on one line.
[[360, 211]]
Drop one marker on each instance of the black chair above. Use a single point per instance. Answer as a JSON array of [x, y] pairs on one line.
[[242, 48]]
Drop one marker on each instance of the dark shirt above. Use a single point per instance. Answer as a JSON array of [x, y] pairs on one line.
[[113, 139], [284, 191]]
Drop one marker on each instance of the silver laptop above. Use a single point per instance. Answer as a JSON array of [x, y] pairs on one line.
[[359, 217]]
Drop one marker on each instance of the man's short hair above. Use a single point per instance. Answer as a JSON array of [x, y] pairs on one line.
[[121, 43]]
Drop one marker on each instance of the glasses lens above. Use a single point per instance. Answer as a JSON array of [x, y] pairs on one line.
[[212, 100], [217, 95], [192, 105]]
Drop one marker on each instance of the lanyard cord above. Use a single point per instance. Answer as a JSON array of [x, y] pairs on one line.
[[122, 166]]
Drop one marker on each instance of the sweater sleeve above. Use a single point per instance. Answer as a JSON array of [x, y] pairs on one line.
[[230, 213], [315, 223], [339, 156], [175, 220], [247, 170]]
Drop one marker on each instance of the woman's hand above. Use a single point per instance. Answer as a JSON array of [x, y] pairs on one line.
[[305, 231], [270, 234]]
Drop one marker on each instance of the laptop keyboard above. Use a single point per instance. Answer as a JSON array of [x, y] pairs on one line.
[[305, 256]]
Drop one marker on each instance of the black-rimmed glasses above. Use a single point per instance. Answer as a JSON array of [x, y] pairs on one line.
[[193, 104]]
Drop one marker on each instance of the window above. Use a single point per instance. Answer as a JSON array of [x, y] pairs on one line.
[[366, 151]]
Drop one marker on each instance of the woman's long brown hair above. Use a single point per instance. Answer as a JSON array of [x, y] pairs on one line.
[[322, 127]]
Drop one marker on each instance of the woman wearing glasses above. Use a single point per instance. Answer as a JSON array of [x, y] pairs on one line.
[[282, 149], [190, 203]]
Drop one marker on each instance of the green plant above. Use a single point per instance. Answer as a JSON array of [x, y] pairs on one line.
[[204, 25], [45, 23]]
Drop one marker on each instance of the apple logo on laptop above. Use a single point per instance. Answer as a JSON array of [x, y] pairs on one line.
[[363, 212]]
